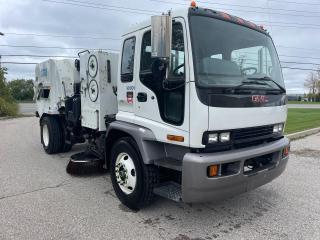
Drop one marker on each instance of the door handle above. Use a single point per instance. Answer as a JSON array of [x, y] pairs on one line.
[[142, 97]]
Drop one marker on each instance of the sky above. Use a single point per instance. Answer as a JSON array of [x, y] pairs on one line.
[[96, 24]]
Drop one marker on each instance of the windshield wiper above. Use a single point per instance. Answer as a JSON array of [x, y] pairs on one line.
[[268, 79], [250, 82]]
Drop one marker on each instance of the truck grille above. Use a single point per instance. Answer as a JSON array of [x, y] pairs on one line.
[[252, 133], [243, 138]]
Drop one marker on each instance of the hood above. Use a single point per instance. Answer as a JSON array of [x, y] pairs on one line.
[[233, 118]]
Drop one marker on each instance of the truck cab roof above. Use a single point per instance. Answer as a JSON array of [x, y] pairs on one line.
[[198, 11]]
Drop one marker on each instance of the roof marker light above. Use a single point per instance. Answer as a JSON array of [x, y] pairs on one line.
[[240, 20], [226, 16], [251, 24], [262, 28]]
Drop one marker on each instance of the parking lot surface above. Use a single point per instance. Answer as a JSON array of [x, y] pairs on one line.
[[39, 200], [27, 108]]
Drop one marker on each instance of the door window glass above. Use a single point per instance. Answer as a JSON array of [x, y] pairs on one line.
[[127, 63], [171, 102]]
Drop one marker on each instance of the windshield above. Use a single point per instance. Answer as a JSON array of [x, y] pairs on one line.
[[226, 54]]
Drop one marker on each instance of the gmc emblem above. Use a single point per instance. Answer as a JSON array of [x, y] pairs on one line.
[[259, 99]]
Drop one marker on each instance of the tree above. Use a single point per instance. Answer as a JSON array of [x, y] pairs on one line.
[[21, 89], [318, 82], [312, 83], [4, 91], [7, 105]]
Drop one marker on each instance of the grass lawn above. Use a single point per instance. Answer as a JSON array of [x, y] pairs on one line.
[[300, 102], [302, 119]]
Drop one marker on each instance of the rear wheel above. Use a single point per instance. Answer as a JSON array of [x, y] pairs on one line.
[[132, 180], [51, 134]]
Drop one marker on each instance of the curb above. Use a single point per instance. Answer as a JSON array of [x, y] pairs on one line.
[[5, 118], [19, 116], [298, 135]]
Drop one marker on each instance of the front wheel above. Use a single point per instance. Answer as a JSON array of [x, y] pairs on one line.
[[132, 180]]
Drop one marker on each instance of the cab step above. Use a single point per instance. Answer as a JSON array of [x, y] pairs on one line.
[[169, 163], [169, 190]]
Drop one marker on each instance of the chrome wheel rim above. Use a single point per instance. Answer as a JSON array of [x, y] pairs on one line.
[[45, 135], [125, 173]]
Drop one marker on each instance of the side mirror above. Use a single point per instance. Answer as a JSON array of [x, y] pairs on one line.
[[161, 35]]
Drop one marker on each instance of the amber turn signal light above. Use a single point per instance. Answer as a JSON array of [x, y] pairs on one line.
[[175, 138], [285, 152], [213, 170]]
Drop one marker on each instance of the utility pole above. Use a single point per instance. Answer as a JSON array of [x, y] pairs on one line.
[[1, 34]]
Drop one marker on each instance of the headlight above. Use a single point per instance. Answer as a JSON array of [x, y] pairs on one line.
[[213, 138], [224, 137], [219, 137], [278, 128]]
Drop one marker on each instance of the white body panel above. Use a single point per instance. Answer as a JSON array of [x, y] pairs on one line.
[[59, 76], [98, 97]]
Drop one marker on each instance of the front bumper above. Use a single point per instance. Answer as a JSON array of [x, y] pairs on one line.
[[198, 187]]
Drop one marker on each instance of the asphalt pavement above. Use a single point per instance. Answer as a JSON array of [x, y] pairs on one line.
[[27, 108], [39, 200], [309, 106]]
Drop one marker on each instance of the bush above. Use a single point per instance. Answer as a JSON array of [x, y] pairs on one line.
[[21, 89], [8, 108]]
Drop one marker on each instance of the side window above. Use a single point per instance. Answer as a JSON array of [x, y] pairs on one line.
[[127, 62], [44, 93], [177, 51], [146, 60]]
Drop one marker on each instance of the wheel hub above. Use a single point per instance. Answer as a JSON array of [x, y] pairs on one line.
[[125, 173], [45, 135]]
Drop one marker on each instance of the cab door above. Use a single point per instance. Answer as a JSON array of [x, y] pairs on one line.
[[126, 83], [164, 107]]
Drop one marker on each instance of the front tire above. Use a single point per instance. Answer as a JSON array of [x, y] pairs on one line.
[[132, 180], [51, 134]]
